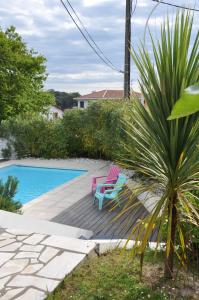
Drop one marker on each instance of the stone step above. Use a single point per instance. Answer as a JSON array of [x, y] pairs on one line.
[[17, 221]]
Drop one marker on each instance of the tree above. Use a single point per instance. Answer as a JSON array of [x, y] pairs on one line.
[[166, 151], [64, 100], [22, 75]]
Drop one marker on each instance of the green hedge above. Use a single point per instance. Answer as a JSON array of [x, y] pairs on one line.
[[95, 132]]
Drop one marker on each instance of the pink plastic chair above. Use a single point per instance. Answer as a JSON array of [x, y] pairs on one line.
[[110, 178]]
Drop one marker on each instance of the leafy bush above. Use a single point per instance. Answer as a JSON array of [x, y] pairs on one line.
[[6, 152], [33, 135], [7, 193], [94, 132]]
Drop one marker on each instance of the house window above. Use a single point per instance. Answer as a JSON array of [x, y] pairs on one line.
[[82, 104]]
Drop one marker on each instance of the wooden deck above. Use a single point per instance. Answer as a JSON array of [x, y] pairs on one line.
[[84, 214]]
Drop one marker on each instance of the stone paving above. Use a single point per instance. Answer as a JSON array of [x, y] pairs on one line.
[[33, 264]]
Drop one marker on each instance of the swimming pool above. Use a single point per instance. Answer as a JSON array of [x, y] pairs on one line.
[[35, 181]]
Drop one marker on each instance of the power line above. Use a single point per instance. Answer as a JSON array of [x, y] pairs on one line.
[[135, 6], [175, 5], [89, 43], [149, 16], [90, 36]]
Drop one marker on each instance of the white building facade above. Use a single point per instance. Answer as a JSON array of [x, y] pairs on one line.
[[54, 113], [84, 101]]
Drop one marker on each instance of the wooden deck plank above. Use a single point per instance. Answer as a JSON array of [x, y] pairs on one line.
[[84, 214]]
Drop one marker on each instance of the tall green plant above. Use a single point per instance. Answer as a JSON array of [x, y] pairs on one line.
[[166, 151], [7, 193]]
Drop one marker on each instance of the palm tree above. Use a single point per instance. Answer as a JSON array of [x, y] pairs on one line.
[[166, 151]]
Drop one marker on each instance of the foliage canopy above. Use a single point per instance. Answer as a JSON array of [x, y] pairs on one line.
[[64, 100], [22, 75]]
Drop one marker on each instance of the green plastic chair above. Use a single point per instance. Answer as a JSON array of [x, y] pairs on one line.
[[109, 191]]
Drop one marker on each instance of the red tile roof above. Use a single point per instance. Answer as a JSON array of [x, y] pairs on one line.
[[105, 94]]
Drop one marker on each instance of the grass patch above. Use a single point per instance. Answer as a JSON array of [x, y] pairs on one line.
[[114, 276], [111, 276]]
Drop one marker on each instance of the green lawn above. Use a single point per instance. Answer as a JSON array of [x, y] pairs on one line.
[[113, 276]]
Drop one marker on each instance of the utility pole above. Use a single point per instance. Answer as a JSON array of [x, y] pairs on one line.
[[127, 58]]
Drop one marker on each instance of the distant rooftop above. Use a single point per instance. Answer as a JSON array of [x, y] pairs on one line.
[[105, 94]]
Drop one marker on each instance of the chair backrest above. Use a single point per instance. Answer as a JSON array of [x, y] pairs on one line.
[[113, 173], [120, 181], [118, 186]]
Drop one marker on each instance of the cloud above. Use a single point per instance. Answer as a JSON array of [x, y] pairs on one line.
[[71, 64], [88, 3]]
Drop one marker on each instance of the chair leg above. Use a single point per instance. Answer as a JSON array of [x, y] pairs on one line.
[[94, 199], [101, 203]]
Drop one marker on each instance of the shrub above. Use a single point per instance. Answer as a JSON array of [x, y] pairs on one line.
[[94, 132], [74, 123], [6, 152], [7, 193], [33, 135], [104, 131]]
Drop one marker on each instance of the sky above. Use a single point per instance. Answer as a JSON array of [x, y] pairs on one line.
[[72, 66]]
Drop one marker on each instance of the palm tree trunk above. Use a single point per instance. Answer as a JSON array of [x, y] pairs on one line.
[[168, 267]]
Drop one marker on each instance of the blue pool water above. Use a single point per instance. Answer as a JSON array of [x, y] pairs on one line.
[[33, 182]]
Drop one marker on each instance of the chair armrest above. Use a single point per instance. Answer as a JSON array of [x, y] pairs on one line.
[[100, 186], [113, 190], [94, 179], [106, 185], [111, 180]]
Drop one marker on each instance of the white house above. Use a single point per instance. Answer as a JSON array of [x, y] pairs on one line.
[[83, 101], [54, 113]]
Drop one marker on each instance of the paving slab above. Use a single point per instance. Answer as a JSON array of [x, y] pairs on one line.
[[34, 239], [45, 284], [12, 267], [67, 262], [32, 294], [33, 248], [5, 257], [69, 244], [30, 269], [39, 264], [3, 281], [47, 254], [11, 247], [5, 242], [11, 293], [27, 255]]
